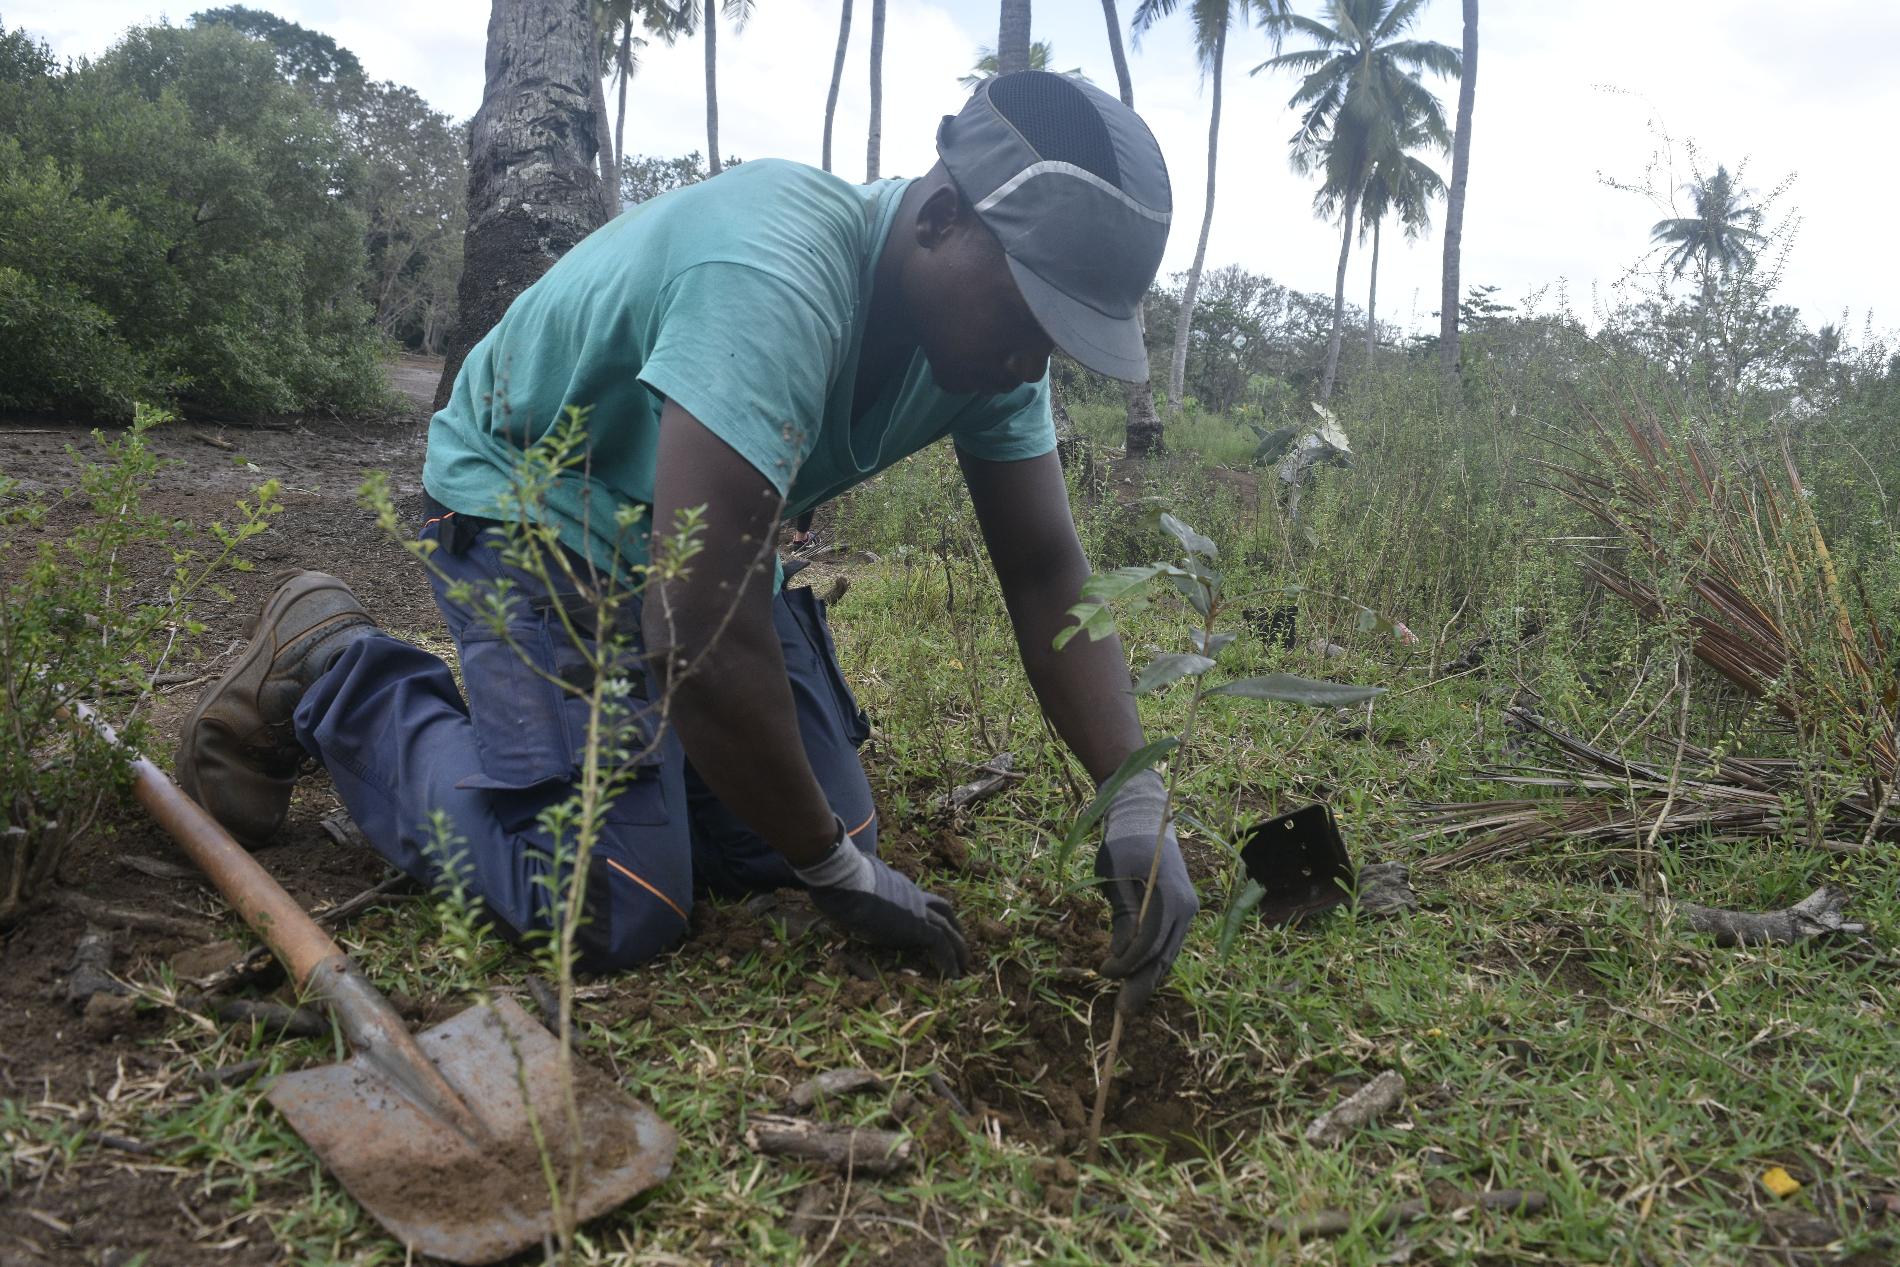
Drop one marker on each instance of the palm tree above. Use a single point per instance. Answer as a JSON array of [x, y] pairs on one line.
[[1455, 200], [837, 74], [1212, 18], [874, 143], [1400, 185], [1041, 54], [704, 14], [1013, 51], [1722, 236], [1361, 89], [1143, 433]]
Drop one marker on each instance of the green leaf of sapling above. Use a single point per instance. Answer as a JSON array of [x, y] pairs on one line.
[[1166, 669], [1191, 541], [1140, 759], [1287, 688], [1210, 644]]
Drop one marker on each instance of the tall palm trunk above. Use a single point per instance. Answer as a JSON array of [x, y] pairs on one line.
[[874, 144], [604, 151], [710, 12], [1012, 37], [1372, 299], [1177, 371], [620, 120], [1455, 201], [1143, 433], [837, 75], [1339, 288], [533, 187]]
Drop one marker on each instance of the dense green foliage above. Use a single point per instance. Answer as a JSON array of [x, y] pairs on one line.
[[171, 227]]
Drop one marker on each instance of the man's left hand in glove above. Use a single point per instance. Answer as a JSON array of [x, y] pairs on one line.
[[1142, 956]]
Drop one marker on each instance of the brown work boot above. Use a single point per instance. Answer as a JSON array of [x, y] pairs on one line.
[[238, 755]]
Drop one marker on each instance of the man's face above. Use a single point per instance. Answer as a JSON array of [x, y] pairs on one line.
[[972, 323]]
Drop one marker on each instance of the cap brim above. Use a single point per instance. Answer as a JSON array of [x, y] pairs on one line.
[[1108, 345]]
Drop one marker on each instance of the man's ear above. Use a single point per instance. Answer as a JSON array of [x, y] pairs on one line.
[[939, 216]]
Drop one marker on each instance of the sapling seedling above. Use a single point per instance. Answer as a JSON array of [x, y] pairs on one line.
[[1197, 581]]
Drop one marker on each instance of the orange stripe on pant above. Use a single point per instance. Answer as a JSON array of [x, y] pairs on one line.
[[649, 888], [872, 818]]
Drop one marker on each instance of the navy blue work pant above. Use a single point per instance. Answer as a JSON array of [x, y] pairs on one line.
[[400, 742]]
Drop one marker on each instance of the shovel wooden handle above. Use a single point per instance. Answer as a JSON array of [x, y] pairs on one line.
[[315, 962], [299, 944]]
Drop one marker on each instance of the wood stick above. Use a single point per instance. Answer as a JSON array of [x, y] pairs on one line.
[[278, 1021], [1335, 1222], [850, 1148], [1815, 915], [834, 1083], [107, 915], [1363, 1106]]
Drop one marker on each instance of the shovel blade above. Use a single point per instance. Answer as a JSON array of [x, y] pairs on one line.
[[477, 1201]]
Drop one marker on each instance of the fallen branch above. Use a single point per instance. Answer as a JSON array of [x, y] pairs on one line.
[[1358, 1109], [1816, 915], [1335, 1222], [851, 1148]]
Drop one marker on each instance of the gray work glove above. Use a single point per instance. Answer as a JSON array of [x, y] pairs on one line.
[[883, 907], [1142, 956]]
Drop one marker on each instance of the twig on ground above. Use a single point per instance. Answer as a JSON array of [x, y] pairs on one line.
[[278, 1021], [1817, 914], [226, 1074], [856, 1147], [160, 868], [941, 1085], [107, 915], [1335, 1222], [1358, 1109], [834, 1083], [998, 773]]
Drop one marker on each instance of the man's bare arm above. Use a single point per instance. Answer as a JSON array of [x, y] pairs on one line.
[[712, 642], [1023, 508]]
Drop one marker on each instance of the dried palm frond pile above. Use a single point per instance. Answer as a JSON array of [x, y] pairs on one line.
[[1735, 559]]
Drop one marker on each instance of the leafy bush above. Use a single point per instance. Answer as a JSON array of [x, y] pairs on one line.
[[175, 224], [74, 625]]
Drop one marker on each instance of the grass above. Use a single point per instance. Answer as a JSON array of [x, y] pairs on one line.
[[1643, 1079]]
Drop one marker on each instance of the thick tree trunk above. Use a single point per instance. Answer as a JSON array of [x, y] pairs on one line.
[[533, 189], [604, 144], [837, 75], [1372, 299], [1177, 371], [710, 12], [1449, 293], [874, 143], [1012, 37], [1339, 291], [1143, 436]]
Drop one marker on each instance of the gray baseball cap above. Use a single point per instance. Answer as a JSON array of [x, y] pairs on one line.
[[1072, 184]]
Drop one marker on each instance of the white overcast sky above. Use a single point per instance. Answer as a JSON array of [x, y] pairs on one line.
[[1566, 93]]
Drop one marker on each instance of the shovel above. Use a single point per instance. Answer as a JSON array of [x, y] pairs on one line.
[[434, 1134]]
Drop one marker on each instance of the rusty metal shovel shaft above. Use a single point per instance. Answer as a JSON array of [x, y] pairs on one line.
[[448, 1138]]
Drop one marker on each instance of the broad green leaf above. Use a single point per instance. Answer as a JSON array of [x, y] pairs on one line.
[[1371, 621], [1106, 587], [1165, 669], [1195, 590], [1094, 619], [1191, 541], [1210, 644], [1140, 759], [1237, 912], [1286, 688]]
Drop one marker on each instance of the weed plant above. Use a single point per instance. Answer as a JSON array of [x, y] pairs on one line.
[[76, 625]]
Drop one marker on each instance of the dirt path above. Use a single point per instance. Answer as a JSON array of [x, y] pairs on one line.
[[63, 1070]]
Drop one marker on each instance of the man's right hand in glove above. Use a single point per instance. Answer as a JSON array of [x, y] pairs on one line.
[[879, 905]]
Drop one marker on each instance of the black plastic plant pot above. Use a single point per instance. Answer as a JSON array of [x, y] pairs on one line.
[[1301, 862]]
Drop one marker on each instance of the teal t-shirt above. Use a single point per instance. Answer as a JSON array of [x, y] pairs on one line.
[[743, 298]]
